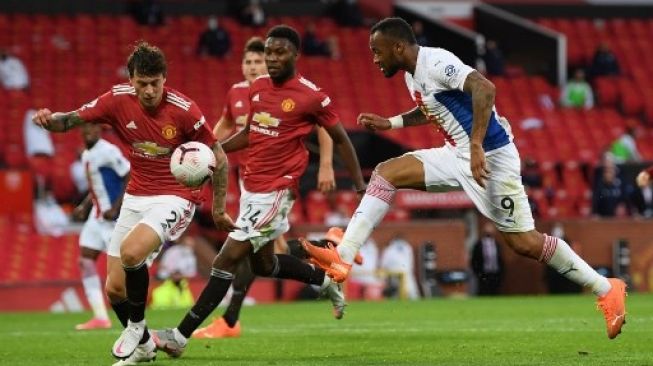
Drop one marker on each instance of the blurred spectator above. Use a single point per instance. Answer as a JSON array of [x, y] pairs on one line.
[[366, 275], [178, 263], [604, 63], [493, 59], [214, 41], [531, 174], [398, 263], [13, 74], [578, 92], [608, 193], [624, 149], [314, 46], [347, 13], [252, 14], [487, 262], [37, 140], [179, 258], [337, 215], [147, 12], [642, 196], [420, 36], [557, 283]]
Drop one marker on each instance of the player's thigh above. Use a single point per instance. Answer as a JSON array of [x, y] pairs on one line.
[[232, 253], [262, 261], [504, 199], [138, 244], [263, 217], [405, 171], [426, 169], [127, 220]]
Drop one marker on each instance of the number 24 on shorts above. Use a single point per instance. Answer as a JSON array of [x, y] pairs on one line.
[[251, 216]]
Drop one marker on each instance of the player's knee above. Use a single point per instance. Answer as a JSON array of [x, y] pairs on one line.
[[384, 171], [130, 255], [524, 245]]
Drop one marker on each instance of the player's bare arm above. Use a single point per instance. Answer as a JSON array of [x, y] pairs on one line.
[[220, 217], [326, 180], [224, 128], [482, 91], [238, 141], [114, 211], [348, 154], [81, 211], [373, 122], [58, 121]]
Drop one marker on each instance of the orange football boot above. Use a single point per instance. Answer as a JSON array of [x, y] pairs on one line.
[[328, 259], [94, 323], [218, 329], [334, 235], [613, 306]]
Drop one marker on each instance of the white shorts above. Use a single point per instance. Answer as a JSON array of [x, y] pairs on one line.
[[262, 217], [96, 233], [504, 201], [168, 215]]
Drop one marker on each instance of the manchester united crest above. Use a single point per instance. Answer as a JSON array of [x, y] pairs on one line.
[[169, 132], [287, 105]]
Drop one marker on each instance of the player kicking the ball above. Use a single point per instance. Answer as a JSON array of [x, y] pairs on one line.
[[478, 156], [284, 109], [152, 120]]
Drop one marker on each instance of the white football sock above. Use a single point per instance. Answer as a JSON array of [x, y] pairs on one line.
[[93, 289], [557, 254], [373, 207]]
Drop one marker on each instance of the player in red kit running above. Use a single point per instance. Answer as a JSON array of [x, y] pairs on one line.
[[284, 109], [152, 120], [234, 118]]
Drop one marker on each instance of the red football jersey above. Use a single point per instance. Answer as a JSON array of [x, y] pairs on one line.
[[279, 119], [237, 109], [151, 136]]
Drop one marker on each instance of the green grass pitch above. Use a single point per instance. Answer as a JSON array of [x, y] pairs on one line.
[[547, 330]]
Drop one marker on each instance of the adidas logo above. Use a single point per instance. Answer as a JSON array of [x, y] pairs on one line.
[[132, 125], [69, 302], [256, 98], [239, 104]]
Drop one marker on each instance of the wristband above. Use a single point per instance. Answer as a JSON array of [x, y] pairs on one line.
[[396, 121]]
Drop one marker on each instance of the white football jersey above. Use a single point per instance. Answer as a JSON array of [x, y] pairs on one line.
[[437, 89], [105, 167]]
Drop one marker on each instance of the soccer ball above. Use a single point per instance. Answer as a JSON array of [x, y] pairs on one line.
[[192, 163]]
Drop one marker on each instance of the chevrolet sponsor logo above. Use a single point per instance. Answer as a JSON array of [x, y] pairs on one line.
[[151, 149], [264, 119]]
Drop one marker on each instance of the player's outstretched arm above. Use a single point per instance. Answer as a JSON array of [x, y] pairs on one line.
[[238, 141], [326, 180], [223, 128], [348, 154], [58, 121], [373, 122], [220, 217], [482, 91]]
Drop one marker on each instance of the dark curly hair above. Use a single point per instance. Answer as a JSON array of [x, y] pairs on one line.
[[287, 32], [146, 60]]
